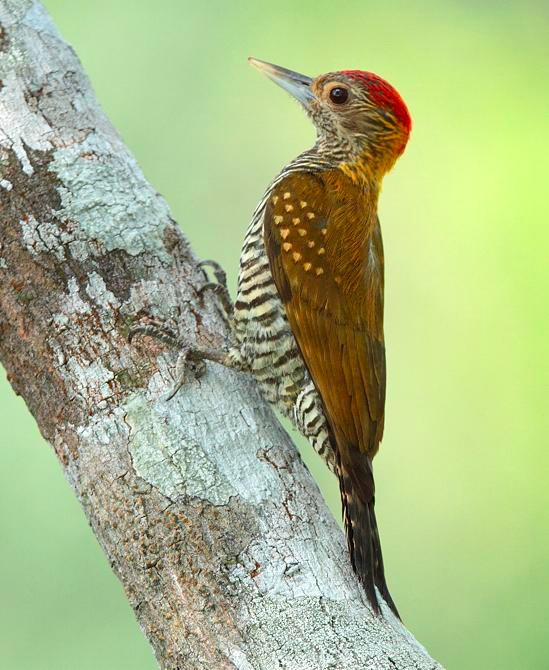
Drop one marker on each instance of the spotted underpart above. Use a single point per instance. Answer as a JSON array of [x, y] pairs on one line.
[[265, 342]]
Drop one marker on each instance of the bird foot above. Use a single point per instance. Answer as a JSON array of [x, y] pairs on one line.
[[188, 366], [155, 329], [219, 273], [219, 287], [191, 359]]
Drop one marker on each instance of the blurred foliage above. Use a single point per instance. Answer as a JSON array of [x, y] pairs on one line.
[[462, 473]]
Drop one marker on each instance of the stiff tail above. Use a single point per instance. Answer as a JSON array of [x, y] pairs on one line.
[[356, 484]]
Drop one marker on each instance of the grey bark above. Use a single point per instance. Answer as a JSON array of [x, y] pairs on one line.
[[224, 546]]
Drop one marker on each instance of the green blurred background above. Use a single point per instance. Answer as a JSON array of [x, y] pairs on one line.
[[462, 475]]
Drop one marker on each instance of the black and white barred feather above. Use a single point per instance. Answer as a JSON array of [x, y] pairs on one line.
[[265, 343]]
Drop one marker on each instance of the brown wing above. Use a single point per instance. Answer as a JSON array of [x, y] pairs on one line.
[[324, 245], [327, 262]]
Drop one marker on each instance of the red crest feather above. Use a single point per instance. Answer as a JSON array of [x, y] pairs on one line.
[[383, 94]]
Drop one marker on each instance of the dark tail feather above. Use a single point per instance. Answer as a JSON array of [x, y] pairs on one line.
[[356, 484], [379, 572]]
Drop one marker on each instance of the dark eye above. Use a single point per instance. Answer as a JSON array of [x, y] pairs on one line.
[[339, 95]]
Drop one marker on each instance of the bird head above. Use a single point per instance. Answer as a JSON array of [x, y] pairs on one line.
[[361, 121]]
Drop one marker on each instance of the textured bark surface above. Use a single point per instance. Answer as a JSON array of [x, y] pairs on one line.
[[221, 539]]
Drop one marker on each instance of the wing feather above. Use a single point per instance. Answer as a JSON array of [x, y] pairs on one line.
[[313, 237], [345, 358]]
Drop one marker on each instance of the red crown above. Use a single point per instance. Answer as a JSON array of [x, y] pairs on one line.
[[383, 94]]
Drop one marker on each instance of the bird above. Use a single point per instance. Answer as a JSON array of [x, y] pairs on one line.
[[308, 317], [307, 321]]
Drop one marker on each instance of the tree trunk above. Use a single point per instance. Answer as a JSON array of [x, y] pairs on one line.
[[226, 550]]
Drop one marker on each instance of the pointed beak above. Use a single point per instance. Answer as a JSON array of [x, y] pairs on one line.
[[298, 85]]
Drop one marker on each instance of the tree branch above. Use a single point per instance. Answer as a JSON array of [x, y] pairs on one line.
[[220, 537]]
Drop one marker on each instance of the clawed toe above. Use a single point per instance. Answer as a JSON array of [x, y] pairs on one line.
[[156, 330], [218, 271], [189, 365], [192, 356], [219, 287], [222, 292]]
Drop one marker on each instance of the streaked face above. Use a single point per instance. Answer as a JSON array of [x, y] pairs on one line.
[[353, 110], [361, 108]]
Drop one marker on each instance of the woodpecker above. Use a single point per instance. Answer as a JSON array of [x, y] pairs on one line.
[[308, 318]]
